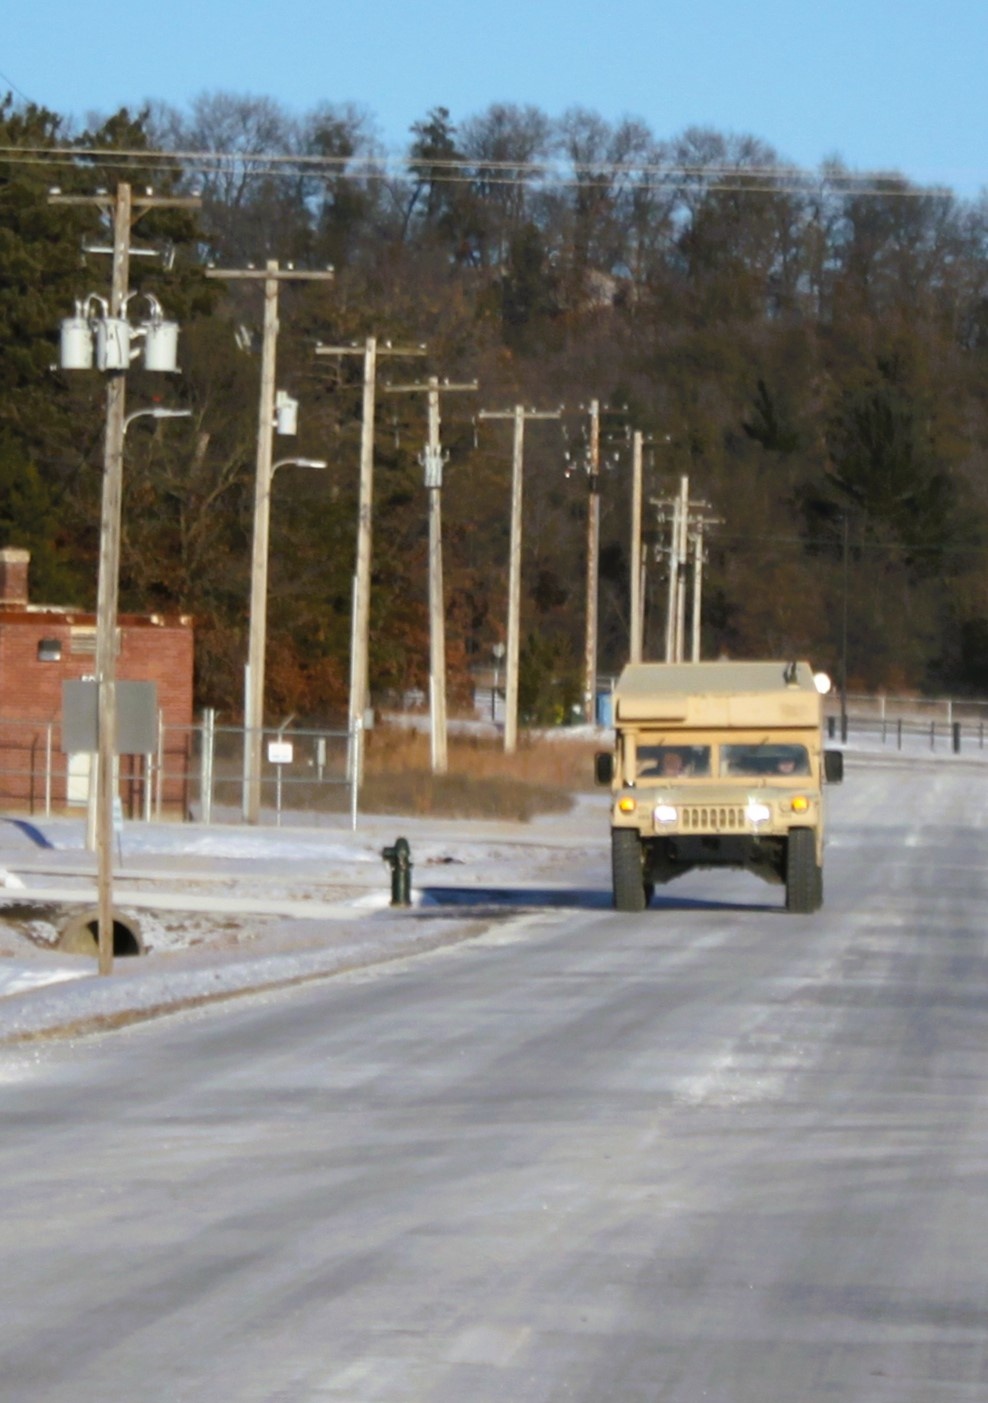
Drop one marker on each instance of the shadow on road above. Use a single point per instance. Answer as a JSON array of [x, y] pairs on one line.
[[580, 898]]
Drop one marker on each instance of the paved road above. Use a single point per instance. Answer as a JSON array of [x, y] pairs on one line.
[[712, 1153]]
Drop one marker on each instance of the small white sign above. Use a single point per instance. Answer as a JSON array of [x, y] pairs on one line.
[[280, 752]]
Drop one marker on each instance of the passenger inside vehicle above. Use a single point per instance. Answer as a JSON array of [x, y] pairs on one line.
[[762, 760], [673, 761]]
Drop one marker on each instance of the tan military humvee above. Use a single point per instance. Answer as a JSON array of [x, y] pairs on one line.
[[718, 764]]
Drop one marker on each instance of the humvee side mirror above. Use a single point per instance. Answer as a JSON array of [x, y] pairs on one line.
[[603, 767], [833, 766]]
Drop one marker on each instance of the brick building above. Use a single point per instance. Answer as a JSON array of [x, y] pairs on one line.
[[42, 646]]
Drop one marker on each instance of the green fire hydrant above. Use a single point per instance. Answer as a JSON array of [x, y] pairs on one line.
[[399, 857]]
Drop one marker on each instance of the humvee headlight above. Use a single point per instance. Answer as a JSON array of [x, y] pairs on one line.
[[627, 805], [666, 813], [800, 804], [757, 813]]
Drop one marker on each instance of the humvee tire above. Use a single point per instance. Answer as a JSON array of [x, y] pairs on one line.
[[626, 870], [804, 879]]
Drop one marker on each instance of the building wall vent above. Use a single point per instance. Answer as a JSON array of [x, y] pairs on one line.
[[83, 640]]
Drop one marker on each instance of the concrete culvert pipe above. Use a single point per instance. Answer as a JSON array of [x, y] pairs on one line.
[[80, 934]]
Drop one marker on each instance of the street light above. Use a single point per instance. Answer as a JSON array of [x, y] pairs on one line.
[[156, 413], [298, 463], [254, 681]]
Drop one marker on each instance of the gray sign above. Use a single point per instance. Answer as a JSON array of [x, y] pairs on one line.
[[137, 718]]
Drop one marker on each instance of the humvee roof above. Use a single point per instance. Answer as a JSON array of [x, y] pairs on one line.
[[718, 693]]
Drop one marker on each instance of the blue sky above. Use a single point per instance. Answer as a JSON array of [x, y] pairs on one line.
[[884, 84]]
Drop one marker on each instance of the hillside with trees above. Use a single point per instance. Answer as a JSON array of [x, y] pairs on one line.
[[811, 348]]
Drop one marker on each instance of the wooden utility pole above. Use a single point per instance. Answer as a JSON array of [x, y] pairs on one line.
[[123, 210], [697, 543], [359, 701], [272, 277], [845, 557], [636, 621], [682, 548], [108, 591], [432, 461], [593, 566], [636, 625], [699, 524], [669, 512], [519, 414], [687, 523]]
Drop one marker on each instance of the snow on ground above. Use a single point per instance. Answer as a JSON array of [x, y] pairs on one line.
[[226, 909]]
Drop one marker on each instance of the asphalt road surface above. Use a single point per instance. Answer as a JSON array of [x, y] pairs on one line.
[[714, 1152]]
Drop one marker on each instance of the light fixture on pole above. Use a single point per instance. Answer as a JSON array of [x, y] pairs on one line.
[[157, 412]]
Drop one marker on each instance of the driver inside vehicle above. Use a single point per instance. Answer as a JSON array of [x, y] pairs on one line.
[[673, 761]]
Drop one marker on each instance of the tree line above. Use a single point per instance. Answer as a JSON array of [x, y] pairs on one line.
[[810, 348]]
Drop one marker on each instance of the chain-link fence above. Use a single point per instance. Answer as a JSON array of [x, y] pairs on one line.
[[196, 772], [305, 770]]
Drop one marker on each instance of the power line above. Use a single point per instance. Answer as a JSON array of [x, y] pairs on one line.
[[833, 543], [15, 89], [771, 180]]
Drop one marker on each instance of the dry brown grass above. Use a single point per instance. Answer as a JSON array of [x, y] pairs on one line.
[[482, 782]]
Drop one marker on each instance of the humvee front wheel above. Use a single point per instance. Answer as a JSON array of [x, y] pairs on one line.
[[804, 879], [626, 870]]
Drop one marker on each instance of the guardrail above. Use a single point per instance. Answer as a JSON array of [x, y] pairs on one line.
[[904, 735]]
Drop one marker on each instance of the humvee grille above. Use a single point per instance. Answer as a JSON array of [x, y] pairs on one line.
[[717, 818]]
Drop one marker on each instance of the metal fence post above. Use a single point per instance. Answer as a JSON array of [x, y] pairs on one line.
[[48, 755], [206, 765], [160, 775], [354, 749], [956, 731]]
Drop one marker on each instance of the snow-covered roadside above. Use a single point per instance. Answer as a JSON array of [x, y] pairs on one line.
[[69, 999], [224, 910]]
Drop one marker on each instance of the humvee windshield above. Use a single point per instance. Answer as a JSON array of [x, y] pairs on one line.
[[764, 760], [673, 761]]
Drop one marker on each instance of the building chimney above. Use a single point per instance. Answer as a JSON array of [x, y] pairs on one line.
[[13, 577]]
